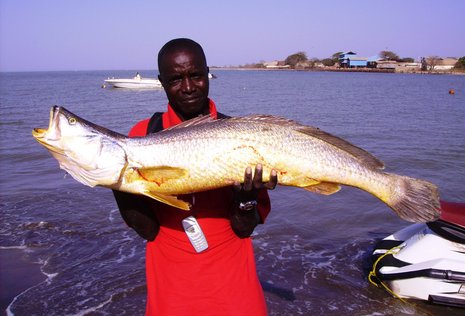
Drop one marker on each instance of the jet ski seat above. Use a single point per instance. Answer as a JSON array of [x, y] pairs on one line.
[[451, 224]]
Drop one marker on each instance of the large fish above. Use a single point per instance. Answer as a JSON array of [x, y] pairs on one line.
[[203, 154]]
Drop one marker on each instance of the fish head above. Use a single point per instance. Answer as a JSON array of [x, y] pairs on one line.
[[90, 153]]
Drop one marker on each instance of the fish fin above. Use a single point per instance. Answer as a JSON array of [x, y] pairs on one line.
[[192, 122], [414, 200], [269, 119], [357, 152], [160, 174], [311, 131], [325, 188], [168, 199]]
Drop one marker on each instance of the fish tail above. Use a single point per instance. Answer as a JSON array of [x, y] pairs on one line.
[[414, 200]]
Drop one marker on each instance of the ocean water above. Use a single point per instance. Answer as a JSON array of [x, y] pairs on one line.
[[313, 253]]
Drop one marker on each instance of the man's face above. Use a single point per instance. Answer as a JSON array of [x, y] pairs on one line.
[[184, 76]]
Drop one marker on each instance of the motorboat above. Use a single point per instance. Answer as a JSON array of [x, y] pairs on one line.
[[425, 261], [137, 82], [134, 83]]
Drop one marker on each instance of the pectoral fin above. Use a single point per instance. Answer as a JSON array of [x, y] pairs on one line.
[[325, 188], [168, 199], [161, 174]]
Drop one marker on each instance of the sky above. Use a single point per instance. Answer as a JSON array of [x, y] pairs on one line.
[[49, 35]]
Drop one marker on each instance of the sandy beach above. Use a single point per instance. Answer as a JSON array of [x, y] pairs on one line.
[[17, 274]]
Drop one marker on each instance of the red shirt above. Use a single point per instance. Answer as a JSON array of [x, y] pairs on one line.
[[221, 280]]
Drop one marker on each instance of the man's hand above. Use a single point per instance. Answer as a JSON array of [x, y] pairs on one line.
[[244, 216], [248, 191]]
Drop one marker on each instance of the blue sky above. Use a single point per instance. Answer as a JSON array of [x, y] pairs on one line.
[[38, 35]]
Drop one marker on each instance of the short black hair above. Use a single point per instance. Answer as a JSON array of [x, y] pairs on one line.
[[180, 44]]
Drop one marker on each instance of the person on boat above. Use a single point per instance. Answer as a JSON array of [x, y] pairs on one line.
[[220, 277]]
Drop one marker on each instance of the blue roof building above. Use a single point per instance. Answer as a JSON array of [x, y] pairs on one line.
[[351, 60]]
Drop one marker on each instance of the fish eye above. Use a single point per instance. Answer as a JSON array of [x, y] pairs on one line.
[[72, 121]]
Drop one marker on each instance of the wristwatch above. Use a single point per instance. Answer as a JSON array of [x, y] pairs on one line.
[[247, 206]]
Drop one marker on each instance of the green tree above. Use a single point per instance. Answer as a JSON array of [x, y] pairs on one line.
[[328, 62], [294, 59], [388, 55], [335, 57], [460, 64]]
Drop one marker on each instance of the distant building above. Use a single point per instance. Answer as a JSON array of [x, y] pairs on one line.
[[386, 64], [351, 60], [275, 65], [372, 62], [408, 67], [446, 64]]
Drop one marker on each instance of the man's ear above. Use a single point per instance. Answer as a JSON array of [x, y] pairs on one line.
[[161, 81]]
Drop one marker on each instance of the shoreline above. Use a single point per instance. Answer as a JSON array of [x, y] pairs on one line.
[[17, 274], [365, 70]]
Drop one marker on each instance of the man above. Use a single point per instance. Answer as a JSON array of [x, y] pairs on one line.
[[212, 273]]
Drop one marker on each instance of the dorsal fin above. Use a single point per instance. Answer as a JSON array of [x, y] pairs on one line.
[[355, 151], [269, 119], [311, 131], [192, 122]]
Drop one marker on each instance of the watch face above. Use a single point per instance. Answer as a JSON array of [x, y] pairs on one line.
[[247, 206]]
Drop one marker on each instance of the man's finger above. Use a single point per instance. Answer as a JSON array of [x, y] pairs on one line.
[[248, 179], [258, 177], [237, 187], [270, 185]]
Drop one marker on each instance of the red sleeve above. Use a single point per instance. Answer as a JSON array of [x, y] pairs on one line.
[[140, 129], [264, 205]]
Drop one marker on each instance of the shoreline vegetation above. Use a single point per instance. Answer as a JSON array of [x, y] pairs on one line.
[[329, 69], [384, 62]]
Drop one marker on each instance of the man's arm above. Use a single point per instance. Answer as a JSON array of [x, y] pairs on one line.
[[137, 213], [244, 214]]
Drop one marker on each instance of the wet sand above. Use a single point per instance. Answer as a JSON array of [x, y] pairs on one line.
[[17, 274]]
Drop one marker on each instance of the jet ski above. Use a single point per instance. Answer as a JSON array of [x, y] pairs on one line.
[[425, 261]]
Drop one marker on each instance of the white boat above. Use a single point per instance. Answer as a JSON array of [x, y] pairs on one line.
[[425, 261], [138, 82], [135, 83]]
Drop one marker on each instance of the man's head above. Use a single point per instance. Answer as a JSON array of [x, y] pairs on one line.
[[184, 76]]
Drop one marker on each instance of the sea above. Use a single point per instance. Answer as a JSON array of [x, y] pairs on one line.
[[313, 253]]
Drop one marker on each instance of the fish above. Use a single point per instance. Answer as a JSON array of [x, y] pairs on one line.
[[203, 154]]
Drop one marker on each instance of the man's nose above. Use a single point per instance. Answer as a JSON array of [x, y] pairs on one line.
[[187, 85]]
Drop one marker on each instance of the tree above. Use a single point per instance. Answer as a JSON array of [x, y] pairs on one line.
[[432, 62], [335, 56], [388, 55], [460, 64], [328, 62], [294, 59]]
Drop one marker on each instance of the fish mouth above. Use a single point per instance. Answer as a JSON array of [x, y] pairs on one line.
[[40, 133]]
